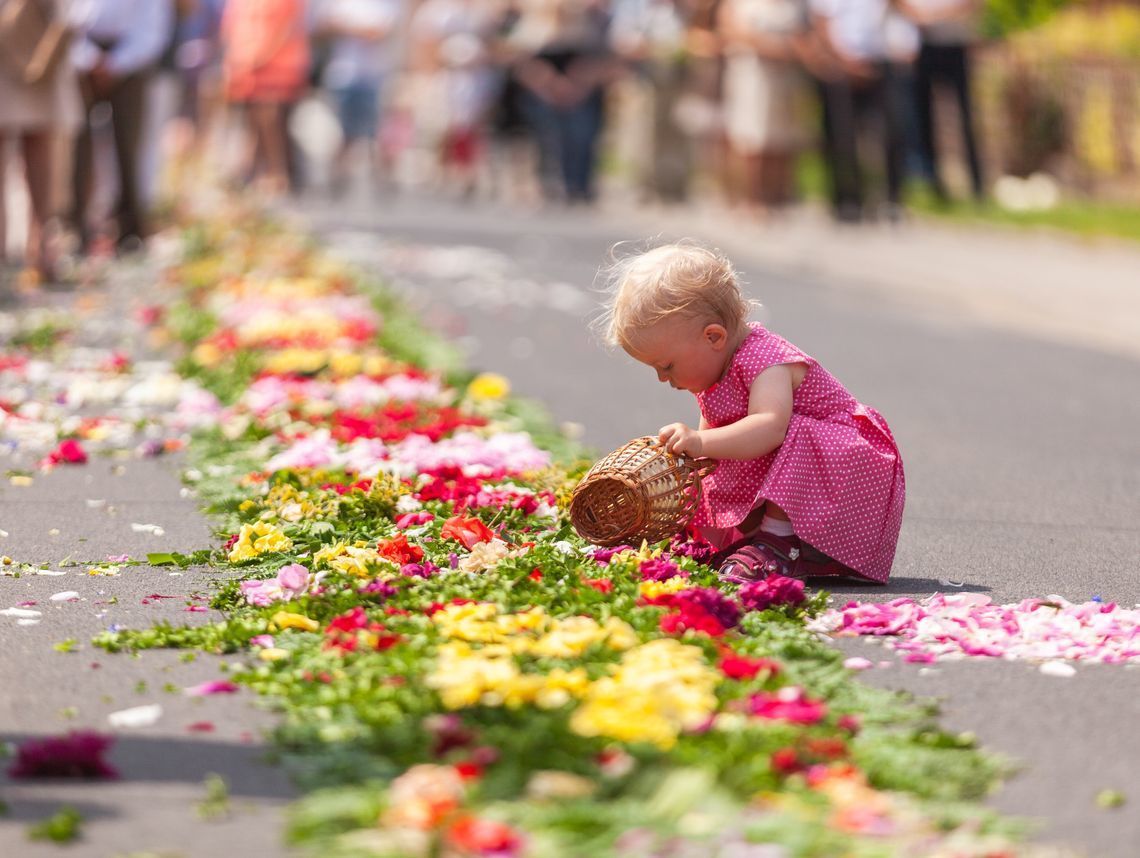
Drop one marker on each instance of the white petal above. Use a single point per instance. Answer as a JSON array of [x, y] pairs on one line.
[[136, 716]]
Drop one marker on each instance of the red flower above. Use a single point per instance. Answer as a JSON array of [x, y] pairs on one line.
[[399, 550], [79, 754], [469, 770], [785, 761], [346, 632], [468, 530], [788, 704], [535, 574], [69, 451], [602, 585], [742, 667], [484, 836]]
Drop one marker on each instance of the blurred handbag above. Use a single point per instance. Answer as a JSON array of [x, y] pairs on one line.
[[33, 39]]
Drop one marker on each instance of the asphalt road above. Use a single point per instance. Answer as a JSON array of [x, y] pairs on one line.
[[1022, 455]]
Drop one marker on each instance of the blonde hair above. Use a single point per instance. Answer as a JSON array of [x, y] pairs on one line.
[[683, 280]]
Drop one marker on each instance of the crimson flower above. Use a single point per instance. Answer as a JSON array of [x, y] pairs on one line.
[[79, 754], [659, 569], [773, 590]]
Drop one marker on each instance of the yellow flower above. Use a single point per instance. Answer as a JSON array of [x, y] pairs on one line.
[[289, 620], [273, 653], [258, 538], [357, 560], [660, 689], [653, 589], [465, 677], [489, 385]]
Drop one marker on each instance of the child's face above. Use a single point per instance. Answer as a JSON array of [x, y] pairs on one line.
[[685, 354]]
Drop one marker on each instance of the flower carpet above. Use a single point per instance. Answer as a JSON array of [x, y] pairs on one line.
[[454, 671]]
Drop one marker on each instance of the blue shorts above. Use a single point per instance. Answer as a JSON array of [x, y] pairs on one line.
[[358, 108]]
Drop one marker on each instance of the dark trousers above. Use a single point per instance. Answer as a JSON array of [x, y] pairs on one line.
[[948, 64], [126, 100], [847, 109], [567, 142]]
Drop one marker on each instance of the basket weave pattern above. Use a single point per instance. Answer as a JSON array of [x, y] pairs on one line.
[[638, 492]]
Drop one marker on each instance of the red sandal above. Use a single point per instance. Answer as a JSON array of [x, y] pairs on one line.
[[758, 556], [762, 554]]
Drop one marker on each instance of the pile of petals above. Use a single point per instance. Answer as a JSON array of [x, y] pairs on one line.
[[969, 624], [85, 400]]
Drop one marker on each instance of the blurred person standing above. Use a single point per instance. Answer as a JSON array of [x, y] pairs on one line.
[[564, 72], [118, 45], [854, 71], [763, 97], [699, 109], [39, 100], [949, 30], [359, 59], [266, 70], [649, 35], [195, 58], [449, 41]]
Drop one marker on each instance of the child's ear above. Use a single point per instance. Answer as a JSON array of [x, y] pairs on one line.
[[716, 335]]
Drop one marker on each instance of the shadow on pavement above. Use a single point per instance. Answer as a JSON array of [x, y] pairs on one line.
[[898, 586]]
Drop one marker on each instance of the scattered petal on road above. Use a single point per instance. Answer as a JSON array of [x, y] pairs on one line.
[[215, 686], [20, 613], [147, 528], [136, 716], [65, 596], [1058, 668]]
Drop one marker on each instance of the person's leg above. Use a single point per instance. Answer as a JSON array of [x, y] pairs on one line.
[[579, 129], [38, 170], [925, 73], [128, 100], [82, 172], [958, 71], [271, 142], [841, 137], [888, 92]]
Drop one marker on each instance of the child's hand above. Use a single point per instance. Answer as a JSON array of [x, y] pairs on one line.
[[680, 440]]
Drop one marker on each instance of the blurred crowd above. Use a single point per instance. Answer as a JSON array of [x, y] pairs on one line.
[[517, 99]]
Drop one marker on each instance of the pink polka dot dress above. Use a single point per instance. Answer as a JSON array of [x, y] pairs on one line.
[[838, 475]]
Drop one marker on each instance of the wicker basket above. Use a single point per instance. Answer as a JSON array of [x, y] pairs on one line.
[[638, 492]]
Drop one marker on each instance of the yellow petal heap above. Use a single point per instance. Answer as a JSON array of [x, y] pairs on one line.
[[258, 538]]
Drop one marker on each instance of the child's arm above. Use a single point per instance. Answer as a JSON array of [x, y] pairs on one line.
[[758, 433]]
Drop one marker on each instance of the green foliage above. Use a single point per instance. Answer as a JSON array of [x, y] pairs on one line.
[[61, 827], [1003, 17]]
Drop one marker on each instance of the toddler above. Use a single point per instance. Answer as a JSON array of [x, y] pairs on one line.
[[809, 480]]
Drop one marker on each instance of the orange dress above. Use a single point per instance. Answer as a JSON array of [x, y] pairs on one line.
[[266, 50]]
